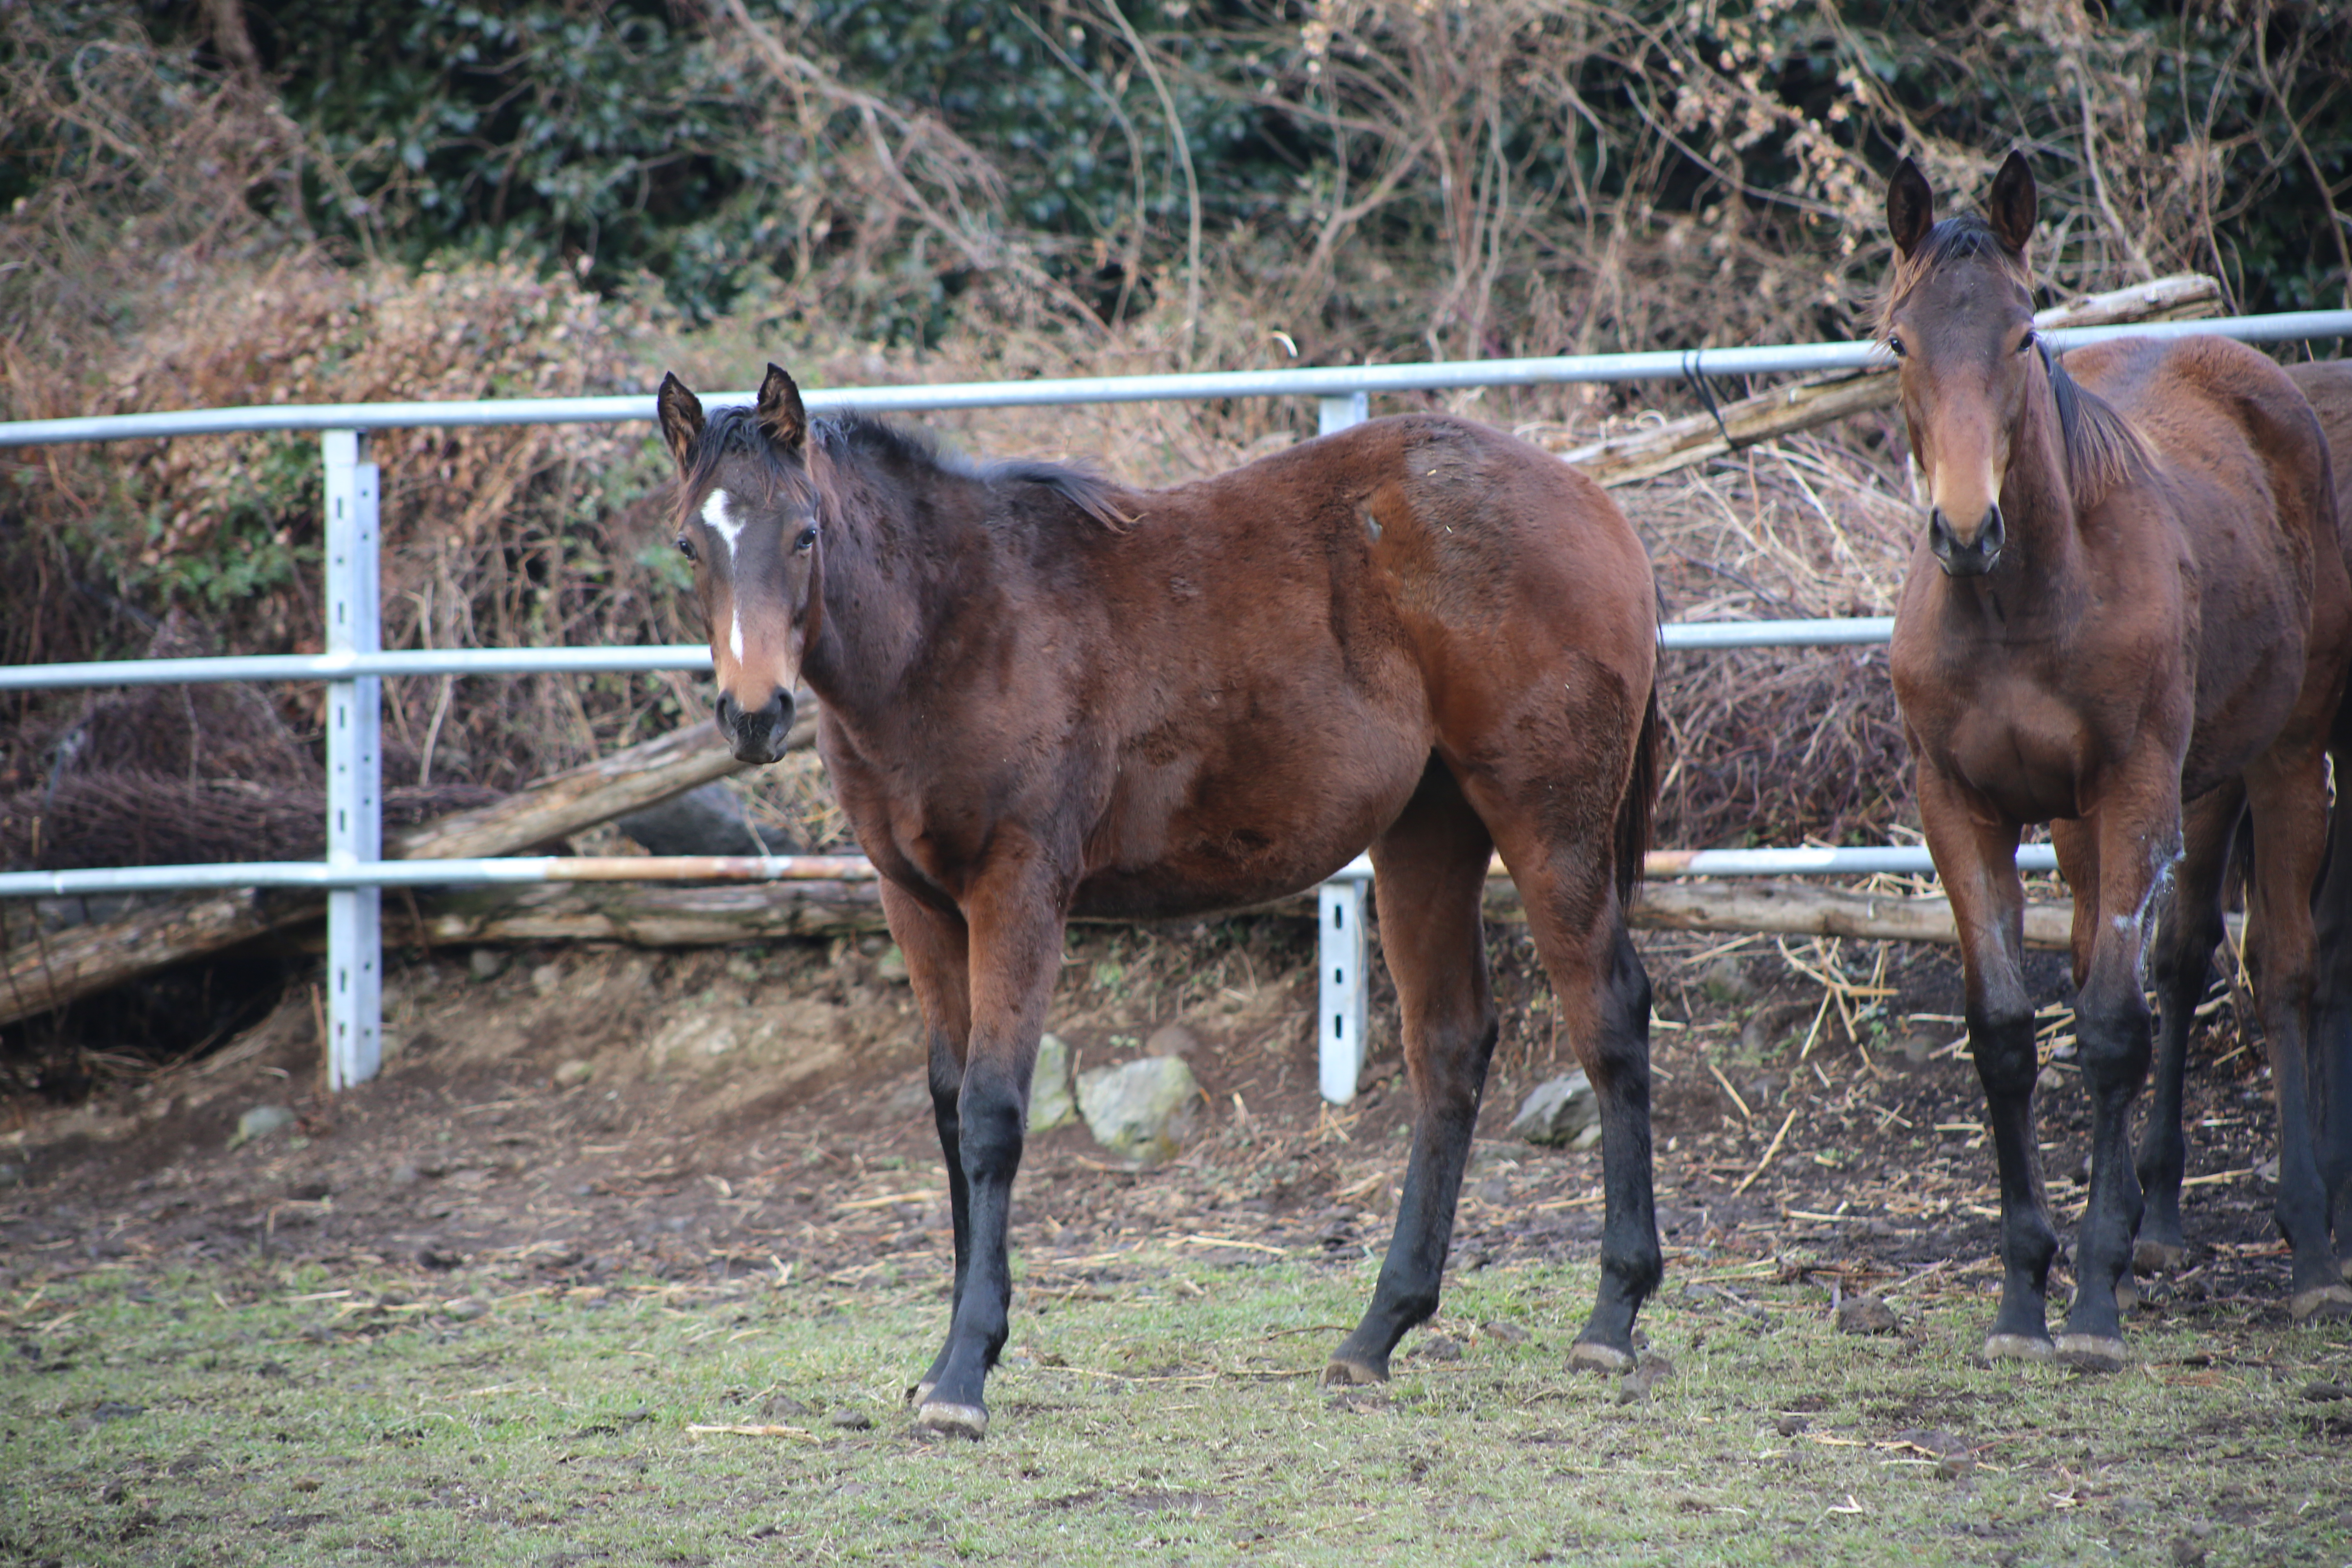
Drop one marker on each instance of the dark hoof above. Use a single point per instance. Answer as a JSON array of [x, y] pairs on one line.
[[2321, 1304], [2157, 1256], [2091, 1352], [952, 1420], [2126, 1294], [1591, 1355], [1342, 1374], [921, 1391], [2018, 1347]]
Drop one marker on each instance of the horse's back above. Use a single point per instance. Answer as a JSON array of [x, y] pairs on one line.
[[2216, 408], [2327, 386]]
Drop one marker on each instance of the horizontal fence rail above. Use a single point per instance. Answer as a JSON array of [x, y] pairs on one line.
[[1335, 380], [353, 873], [1692, 635]]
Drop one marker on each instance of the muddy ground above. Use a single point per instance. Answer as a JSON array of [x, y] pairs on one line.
[[571, 1115]]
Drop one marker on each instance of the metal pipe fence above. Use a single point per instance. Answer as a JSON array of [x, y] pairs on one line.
[[354, 665]]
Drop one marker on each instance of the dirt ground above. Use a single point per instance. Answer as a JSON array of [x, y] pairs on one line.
[[571, 1115]]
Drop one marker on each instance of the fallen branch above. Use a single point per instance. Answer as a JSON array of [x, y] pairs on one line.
[[53, 969], [715, 915], [1795, 909], [1802, 405]]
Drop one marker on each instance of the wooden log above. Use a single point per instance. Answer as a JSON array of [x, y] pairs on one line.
[[641, 914], [1795, 909], [1802, 405], [53, 969], [656, 916]]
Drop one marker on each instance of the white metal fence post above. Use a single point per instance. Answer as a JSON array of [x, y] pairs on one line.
[[354, 766], [1340, 956], [1339, 413], [1339, 950]]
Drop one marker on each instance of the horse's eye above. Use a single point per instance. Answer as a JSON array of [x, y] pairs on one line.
[[807, 538], [686, 548], [1895, 346], [2026, 341]]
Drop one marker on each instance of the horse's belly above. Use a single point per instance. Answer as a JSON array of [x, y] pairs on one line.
[[1175, 842]]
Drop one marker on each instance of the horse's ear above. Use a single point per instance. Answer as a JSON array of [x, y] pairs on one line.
[[1910, 207], [2009, 207], [779, 412], [680, 412]]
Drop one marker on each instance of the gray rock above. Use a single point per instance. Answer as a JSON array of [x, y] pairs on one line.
[[486, 964], [706, 821], [1143, 1110], [1171, 1041], [1050, 1104], [573, 1073], [260, 1122], [1563, 1110], [1867, 1315], [1726, 983]]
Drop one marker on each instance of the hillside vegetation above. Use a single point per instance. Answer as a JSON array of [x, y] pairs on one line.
[[208, 202]]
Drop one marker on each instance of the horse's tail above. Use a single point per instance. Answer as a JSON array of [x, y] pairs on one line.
[[1634, 813]]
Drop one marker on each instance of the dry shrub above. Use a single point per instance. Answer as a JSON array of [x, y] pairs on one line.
[[1779, 745]]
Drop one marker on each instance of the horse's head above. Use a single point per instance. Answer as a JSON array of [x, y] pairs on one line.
[[1958, 318], [747, 517]]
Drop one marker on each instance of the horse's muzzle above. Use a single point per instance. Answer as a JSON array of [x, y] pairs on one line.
[[1973, 558], [756, 735]]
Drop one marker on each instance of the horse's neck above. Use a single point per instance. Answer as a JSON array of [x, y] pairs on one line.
[[881, 587], [2043, 564]]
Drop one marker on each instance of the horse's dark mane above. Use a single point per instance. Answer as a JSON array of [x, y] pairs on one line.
[[860, 438], [2101, 447], [2103, 451]]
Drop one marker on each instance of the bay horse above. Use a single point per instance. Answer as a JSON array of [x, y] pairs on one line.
[[2130, 593], [1044, 695], [2185, 941]]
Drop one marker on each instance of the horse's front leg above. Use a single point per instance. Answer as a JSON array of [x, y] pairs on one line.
[[1975, 850], [936, 945], [1014, 914], [2132, 839]]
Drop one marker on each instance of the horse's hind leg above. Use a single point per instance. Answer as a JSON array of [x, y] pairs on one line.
[[936, 946], [1563, 861], [1430, 871], [2286, 789], [2185, 940]]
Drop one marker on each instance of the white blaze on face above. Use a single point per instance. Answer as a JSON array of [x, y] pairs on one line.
[[715, 509]]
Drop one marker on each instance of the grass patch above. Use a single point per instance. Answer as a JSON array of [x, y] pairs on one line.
[[1164, 1407]]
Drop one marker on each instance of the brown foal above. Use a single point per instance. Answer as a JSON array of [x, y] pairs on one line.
[[2131, 594], [1043, 695]]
